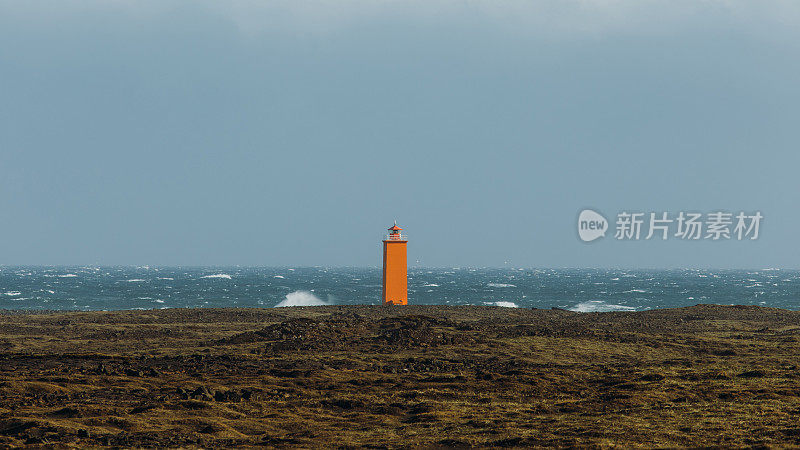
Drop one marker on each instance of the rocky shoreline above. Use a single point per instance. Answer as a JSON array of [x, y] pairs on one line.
[[370, 376]]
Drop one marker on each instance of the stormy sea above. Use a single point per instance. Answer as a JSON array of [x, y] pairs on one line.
[[585, 290]]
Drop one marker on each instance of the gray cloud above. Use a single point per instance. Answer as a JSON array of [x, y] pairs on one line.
[[550, 18]]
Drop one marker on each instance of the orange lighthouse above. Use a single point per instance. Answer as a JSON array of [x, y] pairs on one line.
[[395, 271]]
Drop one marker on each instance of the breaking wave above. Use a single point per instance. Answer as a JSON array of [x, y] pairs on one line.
[[500, 285], [218, 275], [301, 298], [599, 306], [503, 304]]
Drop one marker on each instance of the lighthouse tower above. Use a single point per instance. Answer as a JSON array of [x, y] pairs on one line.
[[395, 271]]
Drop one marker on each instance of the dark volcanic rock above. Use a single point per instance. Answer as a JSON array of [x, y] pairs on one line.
[[751, 374], [411, 377]]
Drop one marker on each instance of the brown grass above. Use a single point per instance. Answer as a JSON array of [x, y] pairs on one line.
[[405, 376]]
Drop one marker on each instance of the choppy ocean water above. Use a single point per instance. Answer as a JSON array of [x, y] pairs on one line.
[[112, 288]]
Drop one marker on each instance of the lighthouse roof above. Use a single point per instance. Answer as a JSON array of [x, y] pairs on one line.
[[395, 227]]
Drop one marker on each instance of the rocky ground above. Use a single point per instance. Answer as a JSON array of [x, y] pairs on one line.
[[369, 376]]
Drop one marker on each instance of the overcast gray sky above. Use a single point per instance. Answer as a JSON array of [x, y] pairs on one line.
[[294, 133]]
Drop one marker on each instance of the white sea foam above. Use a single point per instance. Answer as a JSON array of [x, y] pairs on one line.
[[503, 304], [500, 285], [278, 276], [218, 275], [301, 298], [599, 306], [635, 290], [135, 280], [13, 293], [159, 301], [430, 285], [67, 275], [166, 278]]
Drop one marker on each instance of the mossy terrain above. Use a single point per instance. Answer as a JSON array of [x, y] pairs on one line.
[[370, 376]]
